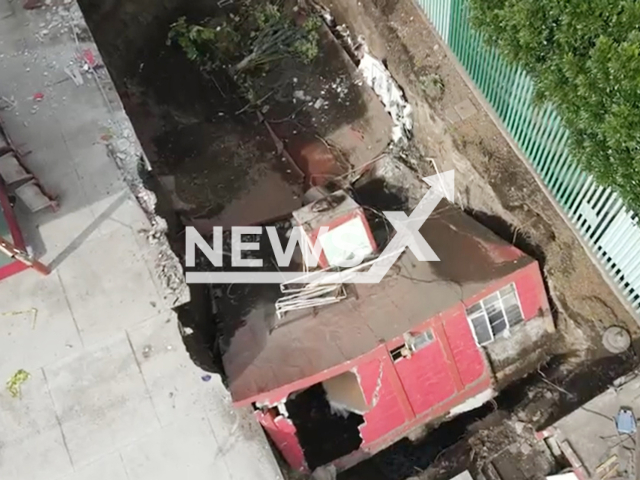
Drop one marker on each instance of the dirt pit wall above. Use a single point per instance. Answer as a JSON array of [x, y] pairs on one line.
[[492, 182]]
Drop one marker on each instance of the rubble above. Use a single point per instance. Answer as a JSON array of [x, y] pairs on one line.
[[127, 153], [375, 74], [62, 18], [66, 19], [324, 473], [378, 77]]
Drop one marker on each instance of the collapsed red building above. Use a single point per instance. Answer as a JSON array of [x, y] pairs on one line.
[[337, 382]]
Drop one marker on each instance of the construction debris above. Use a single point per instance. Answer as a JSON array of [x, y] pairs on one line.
[[626, 422], [378, 77]]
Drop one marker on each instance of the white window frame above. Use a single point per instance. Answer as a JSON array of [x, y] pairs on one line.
[[427, 335], [504, 332], [409, 345]]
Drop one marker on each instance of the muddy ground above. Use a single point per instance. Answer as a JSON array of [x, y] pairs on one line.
[[220, 161], [490, 178], [220, 158], [495, 187], [202, 149]]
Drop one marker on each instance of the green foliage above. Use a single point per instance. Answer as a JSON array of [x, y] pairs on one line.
[[306, 47], [208, 45], [584, 57], [277, 36], [266, 15], [257, 37], [189, 37]]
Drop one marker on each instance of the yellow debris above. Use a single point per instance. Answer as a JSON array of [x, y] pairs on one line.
[[15, 382]]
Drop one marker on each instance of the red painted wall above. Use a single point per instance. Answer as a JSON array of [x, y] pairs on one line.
[[413, 391], [426, 376], [467, 357], [387, 412], [283, 433], [530, 288]]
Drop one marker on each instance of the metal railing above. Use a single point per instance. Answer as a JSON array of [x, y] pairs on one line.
[[610, 229]]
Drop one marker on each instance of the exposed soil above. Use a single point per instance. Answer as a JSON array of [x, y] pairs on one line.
[[194, 137], [217, 162], [499, 191], [220, 158], [490, 177], [222, 163]]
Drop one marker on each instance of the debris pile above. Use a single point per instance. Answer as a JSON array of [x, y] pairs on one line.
[[391, 95], [60, 20], [376, 75], [84, 68], [126, 152]]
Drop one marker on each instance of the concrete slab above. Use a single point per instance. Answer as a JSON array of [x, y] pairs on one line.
[[180, 390], [451, 115], [120, 210], [109, 467], [96, 405], [32, 444], [465, 109], [35, 329], [190, 440], [591, 430], [6, 9], [101, 400], [174, 382], [247, 442], [107, 295]]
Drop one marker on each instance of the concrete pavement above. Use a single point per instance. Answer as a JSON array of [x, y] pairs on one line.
[[112, 393]]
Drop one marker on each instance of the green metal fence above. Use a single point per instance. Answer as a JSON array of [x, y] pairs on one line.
[[609, 228]]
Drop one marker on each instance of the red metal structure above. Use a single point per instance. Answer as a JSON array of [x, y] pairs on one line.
[[338, 383], [10, 230], [17, 181]]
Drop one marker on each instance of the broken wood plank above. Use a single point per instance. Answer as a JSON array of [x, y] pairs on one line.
[[604, 466], [610, 473]]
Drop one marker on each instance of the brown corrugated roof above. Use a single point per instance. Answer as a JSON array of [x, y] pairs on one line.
[[264, 353]]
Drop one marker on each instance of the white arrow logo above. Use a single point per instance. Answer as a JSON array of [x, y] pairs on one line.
[[407, 236]]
